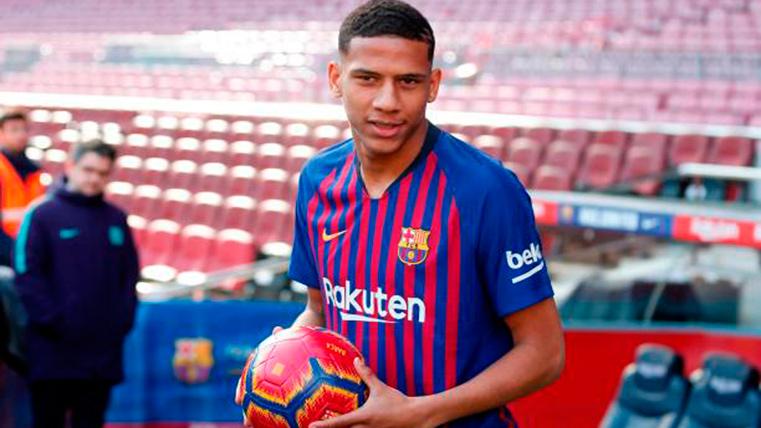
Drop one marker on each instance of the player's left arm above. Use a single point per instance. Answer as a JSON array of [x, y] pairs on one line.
[[536, 360]]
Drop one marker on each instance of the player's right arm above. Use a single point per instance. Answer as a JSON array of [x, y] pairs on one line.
[[313, 314]]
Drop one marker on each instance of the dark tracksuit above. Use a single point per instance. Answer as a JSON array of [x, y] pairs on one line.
[[76, 270]]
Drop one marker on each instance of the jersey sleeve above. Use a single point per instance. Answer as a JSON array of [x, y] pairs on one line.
[[302, 266], [508, 248]]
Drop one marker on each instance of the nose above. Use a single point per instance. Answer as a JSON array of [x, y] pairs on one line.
[[386, 98]]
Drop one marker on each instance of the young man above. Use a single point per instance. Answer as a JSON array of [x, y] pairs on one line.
[[76, 267], [19, 179], [419, 248]]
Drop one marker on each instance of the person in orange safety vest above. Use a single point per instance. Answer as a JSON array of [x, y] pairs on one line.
[[20, 179]]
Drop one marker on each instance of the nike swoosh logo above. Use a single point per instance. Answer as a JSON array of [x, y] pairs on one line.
[[329, 237]]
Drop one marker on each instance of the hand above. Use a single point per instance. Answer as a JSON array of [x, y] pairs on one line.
[[276, 329], [385, 407]]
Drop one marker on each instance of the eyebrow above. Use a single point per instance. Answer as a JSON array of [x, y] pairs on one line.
[[366, 72]]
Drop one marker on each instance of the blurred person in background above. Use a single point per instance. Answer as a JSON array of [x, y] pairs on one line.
[[20, 185], [76, 270]]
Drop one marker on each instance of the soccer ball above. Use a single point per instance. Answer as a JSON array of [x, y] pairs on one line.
[[299, 376]]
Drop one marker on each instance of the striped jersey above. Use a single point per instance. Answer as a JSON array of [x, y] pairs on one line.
[[421, 278]]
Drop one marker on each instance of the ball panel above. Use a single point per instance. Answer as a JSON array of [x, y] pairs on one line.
[[326, 402], [259, 417]]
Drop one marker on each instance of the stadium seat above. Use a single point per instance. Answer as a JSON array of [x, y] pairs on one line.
[[543, 136], [297, 157], [270, 131], [688, 148], [239, 213], [55, 160], [216, 129], [521, 171], [736, 151], [243, 152], [599, 169], [642, 162], [489, 144], [136, 145], [120, 193], [206, 208], [297, 134], [182, 174], [270, 155], [160, 245], [243, 130], [232, 247], [188, 148], [271, 183], [524, 151], [563, 155], [725, 394], [612, 138], [146, 201], [272, 218], [215, 150], [176, 205], [549, 177], [127, 167], [138, 227], [579, 137], [240, 180], [193, 248], [155, 171], [326, 135], [652, 392], [651, 140], [212, 178], [162, 146]]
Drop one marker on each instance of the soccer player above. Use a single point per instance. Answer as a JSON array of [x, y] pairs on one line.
[[76, 268], [419, 248]]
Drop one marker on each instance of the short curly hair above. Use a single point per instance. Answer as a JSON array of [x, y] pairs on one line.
[[386, 18]]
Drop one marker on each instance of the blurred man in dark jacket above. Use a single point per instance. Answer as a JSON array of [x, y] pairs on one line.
[[76, 268]]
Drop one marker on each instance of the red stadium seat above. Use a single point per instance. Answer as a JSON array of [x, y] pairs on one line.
[[270, 131], [155, 171], [652, 140], [160, 245], [489, 144], [128, 168], [243, 152], [506, 133], [543, 136], [271, 183], [187, 148], [176, 205], [146, 201], [217, 129], [213, 177], [233, 247], [193, 248], [243, 130], [580, 137], [524, 151], [138, 226], [162, 146], [297, 134], [326, 135], [136, 145], [297, 157], [206, 208], [271, 220], [240, 180], [615, 139], [239, 213], [735, 151], [549, 177], [215, 150], [599, 168], [688, 148], [182, 175], [121, 194], [270, 155], [564, 155], [55, 160], [640, 162]]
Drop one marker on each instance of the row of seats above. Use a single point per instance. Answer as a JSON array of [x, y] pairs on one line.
[[653, 392]]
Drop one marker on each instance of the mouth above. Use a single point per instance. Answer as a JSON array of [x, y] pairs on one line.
[[385, 129]]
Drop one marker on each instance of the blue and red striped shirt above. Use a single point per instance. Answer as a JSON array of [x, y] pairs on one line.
[[421, 278]]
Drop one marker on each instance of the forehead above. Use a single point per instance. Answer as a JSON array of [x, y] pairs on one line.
[[387, 55]]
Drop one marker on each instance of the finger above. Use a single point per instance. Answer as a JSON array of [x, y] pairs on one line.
[[354, 418], [277, 329], [367, 375]]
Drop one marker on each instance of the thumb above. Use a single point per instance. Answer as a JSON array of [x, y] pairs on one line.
[[367, 375], [277, 329]]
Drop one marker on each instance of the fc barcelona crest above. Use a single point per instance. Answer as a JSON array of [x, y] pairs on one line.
[[193, 360], [413, 246]]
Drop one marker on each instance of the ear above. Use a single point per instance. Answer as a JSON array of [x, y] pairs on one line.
[[334, 79], [433, 89]]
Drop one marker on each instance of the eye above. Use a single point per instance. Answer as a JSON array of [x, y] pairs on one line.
[[408, 81]]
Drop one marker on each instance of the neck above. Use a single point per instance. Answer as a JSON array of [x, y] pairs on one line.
[[379, 171]]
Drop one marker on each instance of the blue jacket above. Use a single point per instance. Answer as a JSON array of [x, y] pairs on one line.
[[76, 271]]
